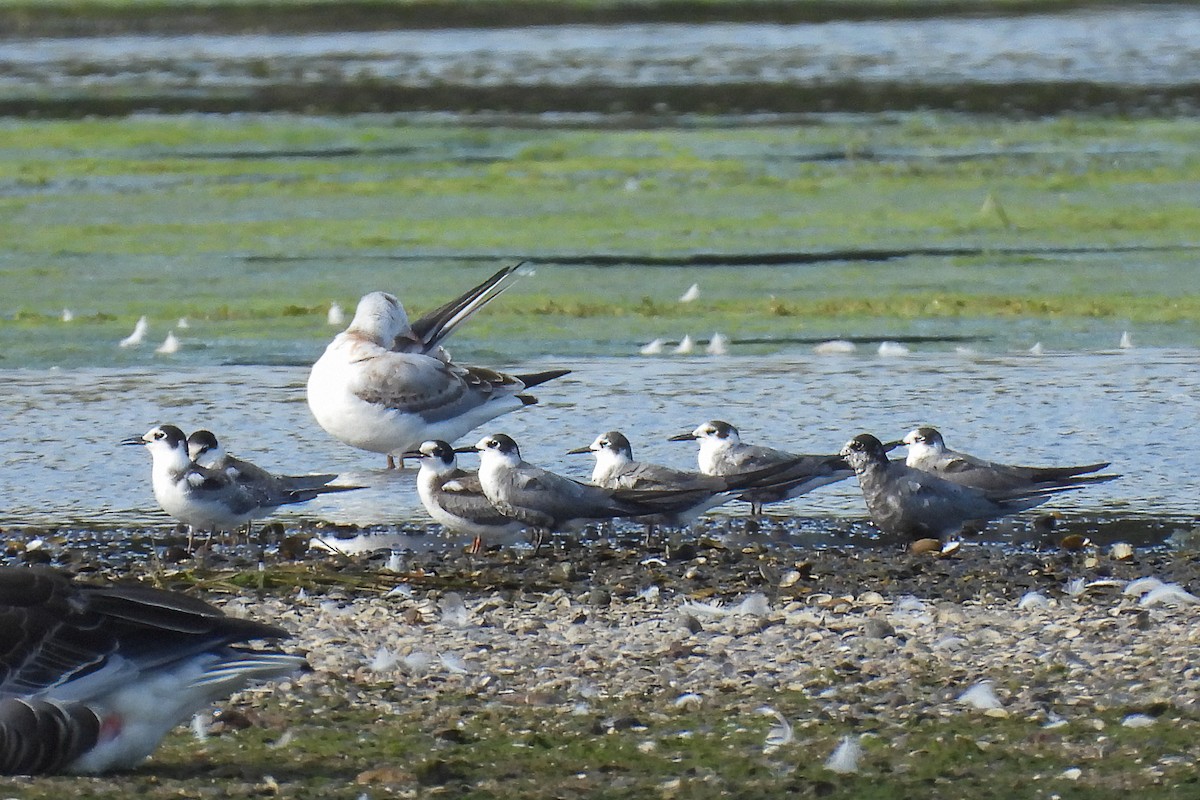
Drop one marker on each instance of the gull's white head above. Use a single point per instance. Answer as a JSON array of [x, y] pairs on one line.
[[380, 318]]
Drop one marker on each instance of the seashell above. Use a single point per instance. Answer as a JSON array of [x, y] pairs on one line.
[[922, 546], [1073, 542], [790, 578], [1121, 551]]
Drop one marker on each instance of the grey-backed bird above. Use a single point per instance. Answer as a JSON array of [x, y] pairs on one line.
[[913, 503], [722, 452], [385, 385]]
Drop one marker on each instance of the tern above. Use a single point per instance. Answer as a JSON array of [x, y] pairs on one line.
[[454, 496], [202, 498], [927, 451], [93, 677], [722, 452], [913, 503], [385, 385], [546, 502], [616, 469], [206, 451]]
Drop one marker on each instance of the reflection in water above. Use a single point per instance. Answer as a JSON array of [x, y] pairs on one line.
[[61, 465]]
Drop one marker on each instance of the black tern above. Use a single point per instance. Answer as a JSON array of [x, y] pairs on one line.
[[546, 502], [92, 677], [205, 450], [927, 451], [912, 503], [722, 452], [385, 385], [201, 498], [454, 496], [616, 469]]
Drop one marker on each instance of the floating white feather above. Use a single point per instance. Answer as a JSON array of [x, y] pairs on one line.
[[67, 315], [170, 345], [686, 345], [139, 333], [653, 348], [892, 349], [336, 315], [691, 295], [718, 344], [835, 347]]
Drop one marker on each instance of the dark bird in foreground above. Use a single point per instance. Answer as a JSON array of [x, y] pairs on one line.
[[722, 452], [92, 677], [927, 451], [912, 503]]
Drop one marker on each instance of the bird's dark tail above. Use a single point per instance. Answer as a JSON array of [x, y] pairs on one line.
[[538, 378]]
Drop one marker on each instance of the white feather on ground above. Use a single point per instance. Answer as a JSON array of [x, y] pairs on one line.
[[691, 295], [844, 758], [981, 696]]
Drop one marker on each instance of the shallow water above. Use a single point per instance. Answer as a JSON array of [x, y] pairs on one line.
[[61, 465], [1144, 46]]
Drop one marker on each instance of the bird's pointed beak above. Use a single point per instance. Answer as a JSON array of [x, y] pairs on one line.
[[890, 446], [682, 437], [468, 449], [414, 454], [133, 440], [579, 451]]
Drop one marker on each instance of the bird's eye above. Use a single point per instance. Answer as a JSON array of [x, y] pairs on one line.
[[159, 434]]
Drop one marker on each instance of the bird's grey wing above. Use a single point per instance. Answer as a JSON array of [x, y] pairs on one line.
[[463, 497], [216, 486], [747, 457], [641, 475], [439, 323], [416, 384]]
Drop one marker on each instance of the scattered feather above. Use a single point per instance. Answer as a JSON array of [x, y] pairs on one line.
[[686, 345], [1055, 721], [1126, 341], [1171, 594], [1072, 774], [689, 700], [632, 184], [416, 662], [200, 726], [170, 344], [454, 611], [399, 590], [779, 734], [1076, 587], [67, 315], [835, 347], [718, 345], [453, 663], [649, 593], [966, 352], [139, 333], [283, 741], [395, 562], [844, 759], [691, 295], [653, 348], [1142, 585], [1138, 721], [383, 660], [1037, 349], [892, 349], [1032, 600], [336, 315], [183, 323], [755, 605], [980, 696]]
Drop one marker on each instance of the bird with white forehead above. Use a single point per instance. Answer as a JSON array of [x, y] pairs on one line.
[[722, 452], [385, 385]]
